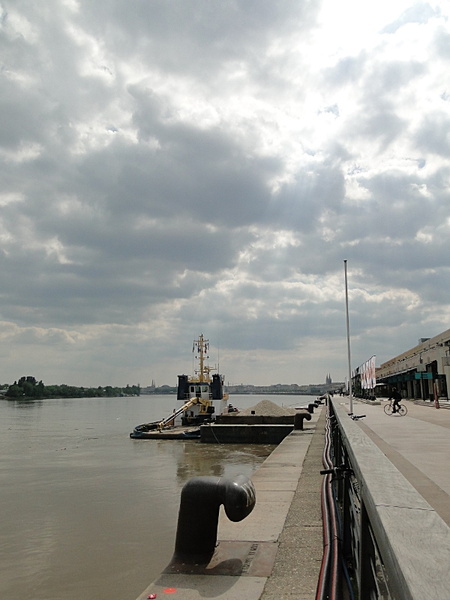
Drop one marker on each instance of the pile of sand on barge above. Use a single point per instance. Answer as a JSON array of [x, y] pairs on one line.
[[267, 408], [265, 412]]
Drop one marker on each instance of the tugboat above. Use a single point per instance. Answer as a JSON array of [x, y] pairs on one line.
[[203, 397]]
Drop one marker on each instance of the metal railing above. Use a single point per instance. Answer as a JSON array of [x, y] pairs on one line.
[[394, 544]]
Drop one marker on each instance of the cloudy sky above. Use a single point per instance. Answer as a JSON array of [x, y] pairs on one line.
[[177, 167]]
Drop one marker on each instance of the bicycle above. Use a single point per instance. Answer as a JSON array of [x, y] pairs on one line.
[[401, 409]]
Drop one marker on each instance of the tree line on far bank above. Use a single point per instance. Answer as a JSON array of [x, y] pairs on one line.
[[29, 387]]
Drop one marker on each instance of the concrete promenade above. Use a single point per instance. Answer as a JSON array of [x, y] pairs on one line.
[[418, 445], [276, 552]]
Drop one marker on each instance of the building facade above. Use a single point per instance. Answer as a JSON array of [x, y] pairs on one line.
[[421, 372]]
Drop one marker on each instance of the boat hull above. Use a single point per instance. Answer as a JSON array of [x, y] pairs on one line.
[[176, 433]]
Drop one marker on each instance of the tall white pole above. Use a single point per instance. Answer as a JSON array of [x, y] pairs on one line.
[[350, 392]]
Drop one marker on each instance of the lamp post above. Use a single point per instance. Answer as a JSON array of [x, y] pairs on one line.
[[350, 393]]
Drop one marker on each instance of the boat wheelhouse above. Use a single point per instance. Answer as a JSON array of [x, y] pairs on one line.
[[207, 390]]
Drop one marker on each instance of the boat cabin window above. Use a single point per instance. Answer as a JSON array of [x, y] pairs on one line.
[[198, 389]]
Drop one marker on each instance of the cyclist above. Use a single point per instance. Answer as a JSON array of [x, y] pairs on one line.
[[396, 397]]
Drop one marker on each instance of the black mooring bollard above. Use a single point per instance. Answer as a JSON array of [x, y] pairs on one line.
[[299, 418], [311, 407], [198, 516]]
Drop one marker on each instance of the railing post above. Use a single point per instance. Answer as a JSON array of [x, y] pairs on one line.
[[366, 557]]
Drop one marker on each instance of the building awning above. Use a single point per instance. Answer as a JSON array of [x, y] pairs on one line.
[[399, 377]]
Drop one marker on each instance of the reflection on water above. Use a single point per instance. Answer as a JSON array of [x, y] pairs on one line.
[[222, 461], [88, 513]]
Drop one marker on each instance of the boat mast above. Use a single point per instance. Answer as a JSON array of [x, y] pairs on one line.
[[201, 346]]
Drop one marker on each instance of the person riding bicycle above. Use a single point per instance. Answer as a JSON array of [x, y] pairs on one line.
[[396, 397]]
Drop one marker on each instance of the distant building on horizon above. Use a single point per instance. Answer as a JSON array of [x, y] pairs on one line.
[[328, 380], [149, 389]]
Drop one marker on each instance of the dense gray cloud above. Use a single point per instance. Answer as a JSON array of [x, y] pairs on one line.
[[170, 168]]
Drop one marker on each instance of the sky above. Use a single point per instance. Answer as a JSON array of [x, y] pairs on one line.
[[178, 167]]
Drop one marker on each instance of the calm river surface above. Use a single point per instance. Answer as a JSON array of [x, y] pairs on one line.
[[88, 513]]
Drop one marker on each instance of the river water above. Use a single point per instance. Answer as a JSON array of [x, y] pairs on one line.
[[86, 512]]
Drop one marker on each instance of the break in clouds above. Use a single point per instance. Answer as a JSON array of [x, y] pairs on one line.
[[177, 167]]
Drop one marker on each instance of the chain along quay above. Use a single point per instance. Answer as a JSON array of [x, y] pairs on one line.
[[350, 506]]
